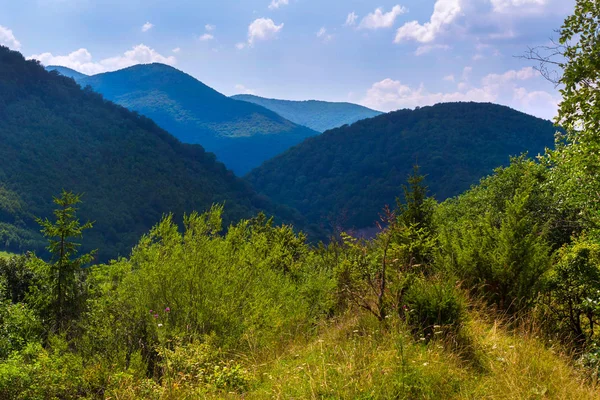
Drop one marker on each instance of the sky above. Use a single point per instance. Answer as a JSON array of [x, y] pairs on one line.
[[384, 54]]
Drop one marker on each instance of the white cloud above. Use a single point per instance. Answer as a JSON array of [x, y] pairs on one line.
[[351, 19], [378, 19], [278, 3], [8, 39], [206, 37], [240, 46], [510, 76], [539, 103], [445, 12], [505, 88], [176, 50], [81, 60], [466, 74], [428, 48], [508, 5], [262, 29], [147, 26], [241, 89], [388, 95], [322, 33], [210, 27]]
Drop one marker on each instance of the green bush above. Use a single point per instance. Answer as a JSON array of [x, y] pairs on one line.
[[495, 237], [434, 306]]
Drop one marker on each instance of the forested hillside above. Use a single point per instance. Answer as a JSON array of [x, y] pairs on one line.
[[242, 135], [347, 175], [55, 135], [318, 115]]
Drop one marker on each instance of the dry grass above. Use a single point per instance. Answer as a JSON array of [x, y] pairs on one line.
[[356, 358]]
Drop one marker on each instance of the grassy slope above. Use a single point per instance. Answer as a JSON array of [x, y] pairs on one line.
[[354, 358]]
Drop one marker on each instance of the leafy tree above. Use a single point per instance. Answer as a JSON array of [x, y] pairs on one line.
[[572, 297], [575, 165], [66, 265]]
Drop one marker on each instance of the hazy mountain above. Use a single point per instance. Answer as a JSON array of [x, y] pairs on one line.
[[68, 72], [241, 134], [318, 115], [55, 135], [348, 174]]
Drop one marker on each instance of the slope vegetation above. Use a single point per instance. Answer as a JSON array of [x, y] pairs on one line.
[[347, 175]]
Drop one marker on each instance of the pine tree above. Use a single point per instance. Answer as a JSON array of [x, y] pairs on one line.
[[65, 265]]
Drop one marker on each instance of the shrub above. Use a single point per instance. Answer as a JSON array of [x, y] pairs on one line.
[[433, 306]]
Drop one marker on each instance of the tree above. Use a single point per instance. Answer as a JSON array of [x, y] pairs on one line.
[[66, 265], [575, 165], [413, 225], [417, 208]]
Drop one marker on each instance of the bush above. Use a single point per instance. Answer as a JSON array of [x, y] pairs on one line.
[[434, 306], [495, 237]]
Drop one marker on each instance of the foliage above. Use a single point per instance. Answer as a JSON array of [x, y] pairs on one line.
[[320, 116], [572, 297], [575, 164], [495, 237], [349, 174], [242, 135]]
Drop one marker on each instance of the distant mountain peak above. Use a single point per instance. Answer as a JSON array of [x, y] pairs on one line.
[[241, 134], [315, 114], [68, 72]]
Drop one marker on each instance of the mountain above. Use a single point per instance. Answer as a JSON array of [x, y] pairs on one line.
[[68, 72], [241, 134], [345, 176], [56, 135], [318, 115]]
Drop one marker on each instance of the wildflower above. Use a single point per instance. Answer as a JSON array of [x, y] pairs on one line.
[[155, 315], [168, 309], [159, 325], [151, 311]]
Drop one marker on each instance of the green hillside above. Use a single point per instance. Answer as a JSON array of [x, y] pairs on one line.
[[242, 135], [131, 172], [318, 115], [347, 175]]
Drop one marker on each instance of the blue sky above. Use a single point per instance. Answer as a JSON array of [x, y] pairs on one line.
[[385, 54]]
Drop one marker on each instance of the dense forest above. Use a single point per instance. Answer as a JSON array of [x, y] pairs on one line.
[[345, 176], [56, 135], [242, 135], [318, 115], [492, 294]]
